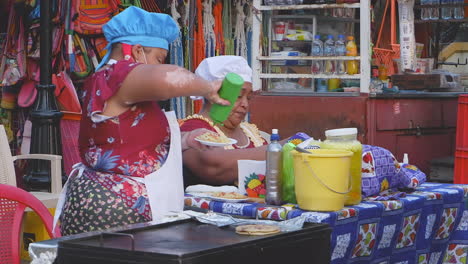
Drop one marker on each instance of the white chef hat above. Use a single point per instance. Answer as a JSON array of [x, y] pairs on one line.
[[215, 68]]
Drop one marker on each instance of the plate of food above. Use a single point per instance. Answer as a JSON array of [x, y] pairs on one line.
[[231, 197], [215, 140], [257, 230]]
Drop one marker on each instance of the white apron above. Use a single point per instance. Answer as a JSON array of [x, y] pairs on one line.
[[165, 187]]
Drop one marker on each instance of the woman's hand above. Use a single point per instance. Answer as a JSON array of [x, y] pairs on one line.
[[213, 95], [188, 139]]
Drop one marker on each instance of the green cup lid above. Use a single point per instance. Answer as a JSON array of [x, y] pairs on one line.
[[234, 79]]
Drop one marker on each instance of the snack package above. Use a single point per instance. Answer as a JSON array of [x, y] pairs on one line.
[[288, 189], [298, 138]]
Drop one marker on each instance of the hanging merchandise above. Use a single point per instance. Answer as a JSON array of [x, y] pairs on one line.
[[91, 15], [407, 38], [13, 59], [199, 49], [126, 3], [150, 6], [33, 40], [218, 27], [82, 65], [227, 27], [65, 92], [177, 58], [248, 30], [208, 28], [239, 31]]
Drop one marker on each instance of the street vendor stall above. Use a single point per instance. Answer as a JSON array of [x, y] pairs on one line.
[[416, 116]]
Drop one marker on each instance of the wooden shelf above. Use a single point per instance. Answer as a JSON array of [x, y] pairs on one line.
[[307, 76], [270, 58], [311, 17], [419, 21], [299, 7]]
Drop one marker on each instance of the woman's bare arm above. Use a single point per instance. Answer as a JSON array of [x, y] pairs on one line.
[[219, 166]]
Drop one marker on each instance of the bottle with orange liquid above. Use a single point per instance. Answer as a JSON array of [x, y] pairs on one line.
[[352, 66]]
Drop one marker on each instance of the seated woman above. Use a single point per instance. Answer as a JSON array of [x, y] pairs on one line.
[[217, 166]]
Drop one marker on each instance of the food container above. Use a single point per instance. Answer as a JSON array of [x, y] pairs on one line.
[[346, 139], [288, 62]]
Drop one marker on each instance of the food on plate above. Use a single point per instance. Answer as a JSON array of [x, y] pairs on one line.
[[257, 230], [213, 137], [228, 195]]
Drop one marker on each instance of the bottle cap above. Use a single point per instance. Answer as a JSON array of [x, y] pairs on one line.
[[330, 36], [341, 36], [341, 132], [274, 131], [350, 37], [317, 36]]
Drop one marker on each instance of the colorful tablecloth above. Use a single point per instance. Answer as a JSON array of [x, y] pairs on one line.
[[429, 225]]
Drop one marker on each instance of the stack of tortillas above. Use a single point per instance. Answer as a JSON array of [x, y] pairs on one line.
[[257, 230]]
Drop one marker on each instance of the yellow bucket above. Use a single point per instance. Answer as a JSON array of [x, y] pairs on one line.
[[322, 178]]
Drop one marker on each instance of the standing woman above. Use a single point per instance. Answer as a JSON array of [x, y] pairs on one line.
[[131, 169]]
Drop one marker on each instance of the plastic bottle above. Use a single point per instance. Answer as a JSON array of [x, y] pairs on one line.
[[434, 11], [459, 11], [273, 170], [340, 50], [329, 51], [230, 90], [376, 84], [351, 50], [446, 11], [425, 10], [317, 50], [346, 138]]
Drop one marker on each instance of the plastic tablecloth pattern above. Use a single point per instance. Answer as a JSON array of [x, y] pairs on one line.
[[429, 225]]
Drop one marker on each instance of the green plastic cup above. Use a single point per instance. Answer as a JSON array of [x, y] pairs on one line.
[[230, 90]]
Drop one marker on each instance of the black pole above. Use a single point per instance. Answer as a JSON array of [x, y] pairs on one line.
[[45, 116]]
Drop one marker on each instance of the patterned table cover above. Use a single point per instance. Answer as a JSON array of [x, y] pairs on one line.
[[429, 225]]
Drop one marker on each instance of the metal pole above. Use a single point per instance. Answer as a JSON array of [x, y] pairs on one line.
[[45, 116]]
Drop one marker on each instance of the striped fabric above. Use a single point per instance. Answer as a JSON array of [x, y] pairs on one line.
[[93, 14]]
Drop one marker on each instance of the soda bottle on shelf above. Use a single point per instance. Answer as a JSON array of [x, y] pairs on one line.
[[425, 10], [329, 51], [351, 50], [446, 11], [434, 11], [317, 50], [340, 50], [459, 11]]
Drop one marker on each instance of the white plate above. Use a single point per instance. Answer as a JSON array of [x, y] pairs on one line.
[[219, 199], [217, 144]]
